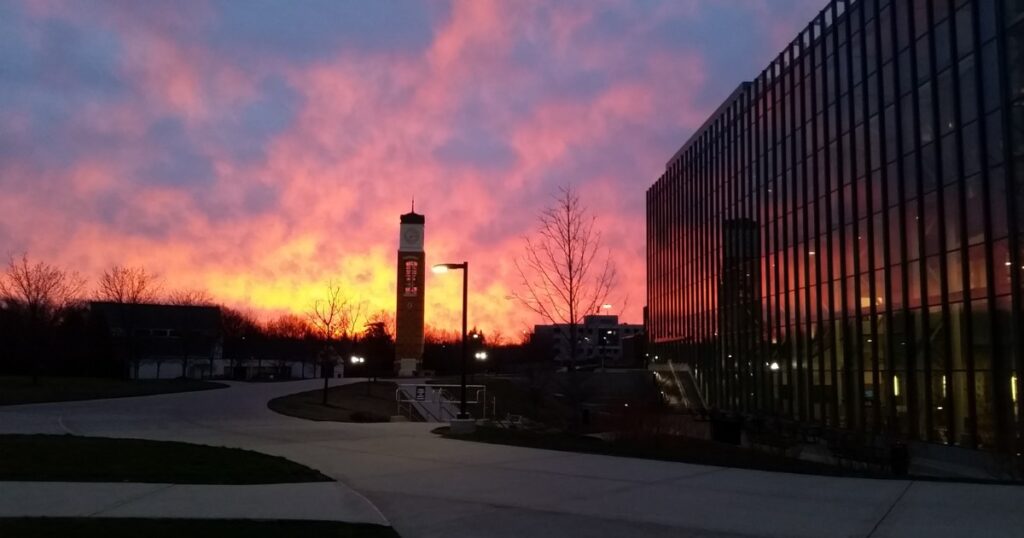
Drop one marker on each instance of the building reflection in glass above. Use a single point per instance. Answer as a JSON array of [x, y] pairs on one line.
[[840, 243]]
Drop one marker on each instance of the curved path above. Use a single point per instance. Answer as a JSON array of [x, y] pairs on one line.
[[429, 486]]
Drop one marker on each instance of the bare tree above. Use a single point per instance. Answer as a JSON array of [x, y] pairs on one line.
[[352, 317], [437, 335], [289, 326], [190, 297], [40, 287], [189, 336], [128, 285], [524, 337], [498, 338], [335, 316], [384, 322], [238, 323], [378, 345], [42, 291], [565, 272]]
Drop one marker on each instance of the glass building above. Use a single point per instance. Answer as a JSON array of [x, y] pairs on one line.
[[840, 243]]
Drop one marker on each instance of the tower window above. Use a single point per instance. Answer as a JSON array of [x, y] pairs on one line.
[[412, 269]]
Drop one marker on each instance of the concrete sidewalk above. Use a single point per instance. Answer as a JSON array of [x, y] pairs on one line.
[[431, 487], [320, 501]]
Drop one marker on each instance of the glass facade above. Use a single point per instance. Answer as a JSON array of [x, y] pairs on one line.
[[840, 243]]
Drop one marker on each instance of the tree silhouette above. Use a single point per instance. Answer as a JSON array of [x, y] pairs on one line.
[[128, 286], [565, 272], [335, 315], [189, 337], [42, 292], [190, 297], [289, 326]]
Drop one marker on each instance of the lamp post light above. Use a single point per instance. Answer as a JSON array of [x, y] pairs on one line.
[[464, 266], [481, 357]]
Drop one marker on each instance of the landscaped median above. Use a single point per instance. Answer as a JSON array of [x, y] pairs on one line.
[[70, 486], [71, 458], [678, 449], [354, 402]]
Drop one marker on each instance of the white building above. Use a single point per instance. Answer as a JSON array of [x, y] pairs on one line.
[[599, 341]]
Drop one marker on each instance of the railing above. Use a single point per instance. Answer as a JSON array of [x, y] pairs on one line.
[[438, 403]]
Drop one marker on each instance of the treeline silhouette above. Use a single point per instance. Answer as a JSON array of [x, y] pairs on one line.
[[48, 327]]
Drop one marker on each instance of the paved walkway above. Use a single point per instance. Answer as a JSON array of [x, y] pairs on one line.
[[431, 487], [324, 501]]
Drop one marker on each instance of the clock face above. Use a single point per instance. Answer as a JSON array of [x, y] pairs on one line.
[[412, 239]]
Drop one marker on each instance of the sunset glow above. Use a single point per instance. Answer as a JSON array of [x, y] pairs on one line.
[[258, 149]]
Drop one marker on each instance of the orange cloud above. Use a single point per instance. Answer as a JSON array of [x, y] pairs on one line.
[[260, 177]]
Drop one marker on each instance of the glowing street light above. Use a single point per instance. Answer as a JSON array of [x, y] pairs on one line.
[[355, 359], [480, 355], [442, 268]]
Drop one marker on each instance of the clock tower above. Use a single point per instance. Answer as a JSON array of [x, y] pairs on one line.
[[409, 306]]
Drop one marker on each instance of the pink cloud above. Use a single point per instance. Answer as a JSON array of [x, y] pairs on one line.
[[319, 199]]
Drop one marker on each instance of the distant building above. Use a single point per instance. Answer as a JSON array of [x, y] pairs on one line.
[[599, 341], [263, 358], [163, 341]]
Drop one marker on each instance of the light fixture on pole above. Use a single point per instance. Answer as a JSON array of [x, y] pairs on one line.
[[464, 266]]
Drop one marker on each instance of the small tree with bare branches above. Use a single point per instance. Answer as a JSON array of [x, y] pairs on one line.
[[565, 272], [128, 286], [378, 345], [189, 337], [384, 320], [289, 326], [335, 317], [42, 292], [190, 297]]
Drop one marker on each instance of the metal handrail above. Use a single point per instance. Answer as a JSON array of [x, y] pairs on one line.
[[440, 395]]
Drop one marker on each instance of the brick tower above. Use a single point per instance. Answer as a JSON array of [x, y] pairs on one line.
[[409, 305]]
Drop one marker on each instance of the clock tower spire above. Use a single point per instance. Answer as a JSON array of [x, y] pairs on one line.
[[410, 295]]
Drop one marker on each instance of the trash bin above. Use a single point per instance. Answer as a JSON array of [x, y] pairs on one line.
[[899, 459]]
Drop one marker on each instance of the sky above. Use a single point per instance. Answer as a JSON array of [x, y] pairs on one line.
[[260, 148]]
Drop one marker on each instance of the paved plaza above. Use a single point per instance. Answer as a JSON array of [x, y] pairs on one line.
[[426, 486]]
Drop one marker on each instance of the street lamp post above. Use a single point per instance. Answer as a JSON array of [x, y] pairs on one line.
[[464, 266]]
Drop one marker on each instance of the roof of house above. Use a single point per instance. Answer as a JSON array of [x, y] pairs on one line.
[[203, 319]]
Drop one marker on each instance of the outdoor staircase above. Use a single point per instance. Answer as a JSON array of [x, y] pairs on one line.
[[436, 406]]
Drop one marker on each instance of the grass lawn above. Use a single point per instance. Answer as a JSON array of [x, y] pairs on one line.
[[679, 449], [72, 458], [21, 390], [346, 403], [193, 528]]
